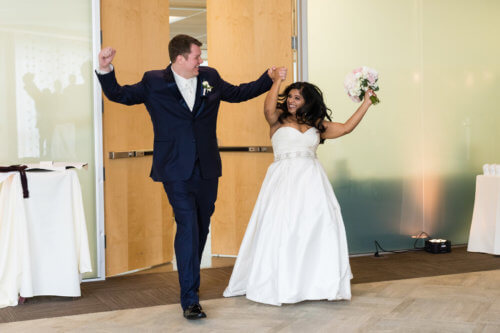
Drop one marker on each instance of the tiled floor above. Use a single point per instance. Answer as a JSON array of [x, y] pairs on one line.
[[468, 302]]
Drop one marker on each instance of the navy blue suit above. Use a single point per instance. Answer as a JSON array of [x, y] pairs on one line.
[[185, 154]]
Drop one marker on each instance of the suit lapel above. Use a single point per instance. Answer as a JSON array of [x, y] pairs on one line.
[[174, 90], [199, 102]]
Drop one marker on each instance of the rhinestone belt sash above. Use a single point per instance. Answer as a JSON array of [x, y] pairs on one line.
[[294, 154]]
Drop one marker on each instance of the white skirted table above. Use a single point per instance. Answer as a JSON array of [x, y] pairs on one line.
[[43, 239], [485, 228]]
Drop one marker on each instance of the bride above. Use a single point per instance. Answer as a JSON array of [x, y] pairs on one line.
[[295, 248]]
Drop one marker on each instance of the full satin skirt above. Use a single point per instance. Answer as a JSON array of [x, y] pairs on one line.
[[295, 247]]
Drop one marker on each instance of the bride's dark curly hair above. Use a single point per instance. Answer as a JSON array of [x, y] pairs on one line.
[[312, 113]]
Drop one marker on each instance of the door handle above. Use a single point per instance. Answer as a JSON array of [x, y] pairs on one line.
[[113, 155]]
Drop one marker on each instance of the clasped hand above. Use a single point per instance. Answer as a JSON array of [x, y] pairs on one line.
[[277, 73]]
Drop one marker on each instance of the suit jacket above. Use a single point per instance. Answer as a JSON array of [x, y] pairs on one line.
[[180, 135]]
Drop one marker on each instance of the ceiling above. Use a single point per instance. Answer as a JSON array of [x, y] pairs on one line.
[[189, 17]]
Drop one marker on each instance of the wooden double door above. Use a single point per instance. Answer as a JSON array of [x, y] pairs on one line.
[[244, 39]]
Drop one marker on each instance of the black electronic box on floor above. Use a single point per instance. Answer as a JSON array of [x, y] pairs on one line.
[[437, 246]]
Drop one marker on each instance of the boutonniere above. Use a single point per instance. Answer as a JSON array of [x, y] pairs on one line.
[[206, 87]]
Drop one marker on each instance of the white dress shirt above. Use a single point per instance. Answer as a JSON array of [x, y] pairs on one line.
[[187, 87]]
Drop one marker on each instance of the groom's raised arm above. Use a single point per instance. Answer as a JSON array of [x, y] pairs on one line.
[[128, 94], [245, 91]]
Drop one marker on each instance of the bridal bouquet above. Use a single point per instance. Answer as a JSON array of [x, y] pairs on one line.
[[359, 81]]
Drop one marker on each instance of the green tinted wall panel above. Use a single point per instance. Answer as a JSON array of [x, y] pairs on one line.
[[410, 166]]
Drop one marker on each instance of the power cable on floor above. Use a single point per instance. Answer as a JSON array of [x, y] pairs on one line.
[[415, 248]]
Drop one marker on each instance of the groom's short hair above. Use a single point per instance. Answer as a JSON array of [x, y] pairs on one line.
[[181, 45]]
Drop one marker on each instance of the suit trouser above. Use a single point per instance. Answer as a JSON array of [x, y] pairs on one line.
[[193, 202]]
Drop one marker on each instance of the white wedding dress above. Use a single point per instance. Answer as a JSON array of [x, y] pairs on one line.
[[295, 247]]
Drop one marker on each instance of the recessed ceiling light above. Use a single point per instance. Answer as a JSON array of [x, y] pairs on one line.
[[173, 19]]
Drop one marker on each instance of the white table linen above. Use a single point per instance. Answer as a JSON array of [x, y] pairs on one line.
[[43, 239], [485, 227]]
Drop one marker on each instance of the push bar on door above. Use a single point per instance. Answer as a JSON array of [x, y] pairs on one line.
[[113, 155]]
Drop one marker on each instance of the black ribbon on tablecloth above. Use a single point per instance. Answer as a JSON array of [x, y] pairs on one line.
[[22, 171]]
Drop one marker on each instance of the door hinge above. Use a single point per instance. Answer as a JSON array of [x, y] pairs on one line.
[[103, 173], [295, 42], [101, 36], [104, 241]]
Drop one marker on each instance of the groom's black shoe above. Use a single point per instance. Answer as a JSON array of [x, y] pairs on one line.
[[194, 312]]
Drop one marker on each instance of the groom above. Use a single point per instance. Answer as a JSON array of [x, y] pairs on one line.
[[183, 101]]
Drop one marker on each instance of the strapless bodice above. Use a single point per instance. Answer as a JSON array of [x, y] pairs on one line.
[[289, 142]]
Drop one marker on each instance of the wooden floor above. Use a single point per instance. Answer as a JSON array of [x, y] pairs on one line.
[[161, 288]]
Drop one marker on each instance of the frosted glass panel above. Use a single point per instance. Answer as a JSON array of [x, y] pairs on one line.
[[411, 164], [46, 101]]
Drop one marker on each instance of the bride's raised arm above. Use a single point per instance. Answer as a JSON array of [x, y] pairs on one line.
[[270, 111], [335, 130]]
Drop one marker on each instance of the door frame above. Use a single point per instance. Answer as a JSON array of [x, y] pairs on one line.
[[301, 16], [98, 146]]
